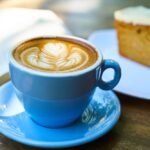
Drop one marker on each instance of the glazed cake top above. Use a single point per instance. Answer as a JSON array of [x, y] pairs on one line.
[[136, 15]]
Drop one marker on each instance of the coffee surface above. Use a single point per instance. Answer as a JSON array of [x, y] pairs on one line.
[[55, 55]]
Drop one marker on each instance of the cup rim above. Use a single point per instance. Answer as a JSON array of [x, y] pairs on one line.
[[51, 74]]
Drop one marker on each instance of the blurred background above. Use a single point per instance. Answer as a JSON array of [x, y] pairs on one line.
[[81, 17]]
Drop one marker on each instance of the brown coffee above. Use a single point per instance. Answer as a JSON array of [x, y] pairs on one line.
[[55, 54]]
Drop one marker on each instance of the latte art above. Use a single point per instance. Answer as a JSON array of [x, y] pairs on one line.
[[55, 56]]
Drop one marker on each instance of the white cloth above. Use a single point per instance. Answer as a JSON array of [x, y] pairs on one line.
[[17, 24]]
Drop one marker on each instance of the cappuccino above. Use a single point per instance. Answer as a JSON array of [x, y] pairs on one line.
[[55, 54]]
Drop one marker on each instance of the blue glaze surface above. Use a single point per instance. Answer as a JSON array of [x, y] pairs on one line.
[[58, 99], [50, 100], [101, 115], [106, 64]]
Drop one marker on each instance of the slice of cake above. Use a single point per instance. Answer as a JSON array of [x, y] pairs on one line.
[[133, 31]]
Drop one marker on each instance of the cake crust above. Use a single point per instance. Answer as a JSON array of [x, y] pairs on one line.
[[134, 41]]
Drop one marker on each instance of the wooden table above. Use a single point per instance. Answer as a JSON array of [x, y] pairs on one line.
[[132, 132]]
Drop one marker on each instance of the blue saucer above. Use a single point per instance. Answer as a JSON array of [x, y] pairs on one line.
[[99, 118]]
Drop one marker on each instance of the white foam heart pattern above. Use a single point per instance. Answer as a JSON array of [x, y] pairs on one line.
[[55, 57]]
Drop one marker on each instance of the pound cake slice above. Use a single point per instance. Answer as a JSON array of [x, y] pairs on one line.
[[133, 32]]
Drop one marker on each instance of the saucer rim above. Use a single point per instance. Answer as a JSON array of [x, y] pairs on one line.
[[70, 143]]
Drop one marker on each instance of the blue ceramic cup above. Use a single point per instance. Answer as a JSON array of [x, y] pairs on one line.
[[58, 99]]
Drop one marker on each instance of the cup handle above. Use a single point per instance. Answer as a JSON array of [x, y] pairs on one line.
[[106, 64]]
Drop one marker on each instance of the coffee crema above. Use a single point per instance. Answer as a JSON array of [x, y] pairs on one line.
[[55, 55]]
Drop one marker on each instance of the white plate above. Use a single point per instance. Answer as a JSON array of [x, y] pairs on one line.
[[135, 80]]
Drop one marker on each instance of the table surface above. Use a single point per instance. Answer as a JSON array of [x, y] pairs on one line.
[[132, 132]]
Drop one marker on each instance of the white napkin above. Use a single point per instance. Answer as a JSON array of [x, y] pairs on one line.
[[17, 24]]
